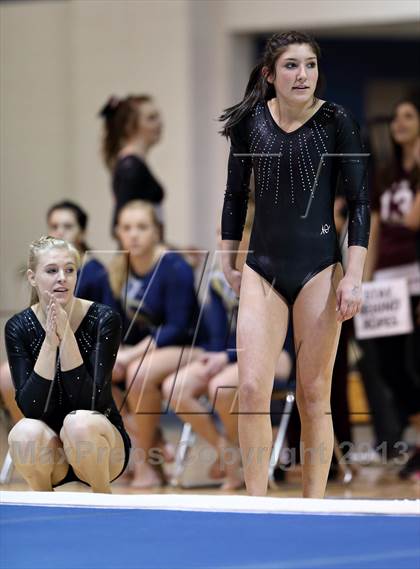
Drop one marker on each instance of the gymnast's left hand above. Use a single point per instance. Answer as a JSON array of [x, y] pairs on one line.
[[349, 298], [61, 316]]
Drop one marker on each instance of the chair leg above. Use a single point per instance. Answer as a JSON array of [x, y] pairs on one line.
[[6, 469], [343, 467], [281, 435], [185, 443]]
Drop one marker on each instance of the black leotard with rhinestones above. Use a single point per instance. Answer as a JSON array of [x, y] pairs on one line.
[[87, 386], [296, 175]]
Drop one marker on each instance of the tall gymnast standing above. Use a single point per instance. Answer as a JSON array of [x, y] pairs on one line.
[[282, 131]]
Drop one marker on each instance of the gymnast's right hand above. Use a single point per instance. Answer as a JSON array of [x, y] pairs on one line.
[[51, 336], [229, 250], [233, 277]]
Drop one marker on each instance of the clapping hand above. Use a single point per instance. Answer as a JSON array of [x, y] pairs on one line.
[[59, 315], [51, 334]]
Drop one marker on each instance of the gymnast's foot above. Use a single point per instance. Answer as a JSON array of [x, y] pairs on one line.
[[234, 476], [217, 471], [233, 483], [228, 467], [167, 450], [146, 476], [126, 477]]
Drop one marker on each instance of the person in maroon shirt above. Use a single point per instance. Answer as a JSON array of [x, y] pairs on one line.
[[394, 204], [394, 253]]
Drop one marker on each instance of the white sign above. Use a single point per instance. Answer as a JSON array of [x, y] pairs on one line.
[[410, 272], [385, 311]]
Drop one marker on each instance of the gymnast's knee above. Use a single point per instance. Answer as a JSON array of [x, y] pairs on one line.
[[30, 430], [31, 443], [313, 399], [82, 425], [252, 397]]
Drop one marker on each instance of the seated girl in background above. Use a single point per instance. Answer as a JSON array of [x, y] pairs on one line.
[[215, 374], [160, 309], [61, 353]]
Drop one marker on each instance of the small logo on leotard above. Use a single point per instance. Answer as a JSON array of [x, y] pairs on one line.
[[325, 228]]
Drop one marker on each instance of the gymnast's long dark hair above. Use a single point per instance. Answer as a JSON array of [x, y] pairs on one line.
[[258, 88]]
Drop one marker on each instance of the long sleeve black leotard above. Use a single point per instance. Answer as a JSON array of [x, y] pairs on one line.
[[87, 386], [296, 174], [133, 180]]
